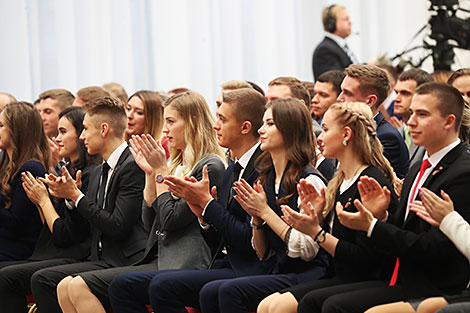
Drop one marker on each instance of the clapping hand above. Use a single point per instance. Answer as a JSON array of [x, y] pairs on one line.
[[307, 223], [373, 196], [252, 199], [432, 208]]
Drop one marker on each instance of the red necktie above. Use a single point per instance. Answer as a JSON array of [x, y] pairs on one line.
[[424, 166]]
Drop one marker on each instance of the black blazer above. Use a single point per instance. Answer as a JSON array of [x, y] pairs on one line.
[[118, 225], [429, 261], [230, 225], [395, 149], [328, 55]]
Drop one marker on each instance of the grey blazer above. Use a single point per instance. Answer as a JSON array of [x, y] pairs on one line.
[[416, 152], [174, 231]]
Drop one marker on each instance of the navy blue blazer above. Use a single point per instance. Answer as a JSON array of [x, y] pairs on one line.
[[20, 224], [395, 149], [230, 226]]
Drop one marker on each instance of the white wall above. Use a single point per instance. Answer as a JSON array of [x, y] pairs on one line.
[[160, 44]]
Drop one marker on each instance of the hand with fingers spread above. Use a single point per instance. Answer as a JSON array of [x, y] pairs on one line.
[[418, 207], [252, 199], [436, 207], [153, 152], [35, 189], [196, 193], [63, 186], [307, 223], [308, 194], [359, 220], [373, 196], [139, 157]]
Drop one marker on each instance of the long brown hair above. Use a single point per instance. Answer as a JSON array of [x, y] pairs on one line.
[[153, 112], [292, 119], [28, 142], [364, 142]]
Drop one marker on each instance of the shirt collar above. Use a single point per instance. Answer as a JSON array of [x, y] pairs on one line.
[[243, 161], [340, 41], [437, 157], [114, 157]]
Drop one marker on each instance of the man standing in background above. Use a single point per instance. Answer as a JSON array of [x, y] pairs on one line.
[[333, 52]]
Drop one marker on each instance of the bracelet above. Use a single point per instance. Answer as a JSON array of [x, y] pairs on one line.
[[257, 227]]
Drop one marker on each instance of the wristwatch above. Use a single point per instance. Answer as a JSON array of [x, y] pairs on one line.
[[257, 227], [159, 178], [321, 236]]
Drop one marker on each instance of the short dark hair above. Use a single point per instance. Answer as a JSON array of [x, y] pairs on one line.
[[418, 75], [450, 101], [247, 105], [111, 110], [372, 80], [335, 77]]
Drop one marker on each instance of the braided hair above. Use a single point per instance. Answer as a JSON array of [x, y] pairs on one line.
[[364, 141]]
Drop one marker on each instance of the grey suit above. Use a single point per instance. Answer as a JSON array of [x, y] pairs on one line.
[[416, 152]]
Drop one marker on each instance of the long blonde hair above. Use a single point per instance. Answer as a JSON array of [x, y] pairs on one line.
[[200, 137], [364, 142]]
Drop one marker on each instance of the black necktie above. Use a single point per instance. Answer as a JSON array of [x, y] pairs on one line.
[[237, 168], [104, 180]]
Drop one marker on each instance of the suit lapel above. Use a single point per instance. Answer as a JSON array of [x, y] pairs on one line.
[[438, 170], [124, 155]]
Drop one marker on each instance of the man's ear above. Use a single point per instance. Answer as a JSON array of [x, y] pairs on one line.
[[371, 100], [246, 127], [104, 127], [450, 121]]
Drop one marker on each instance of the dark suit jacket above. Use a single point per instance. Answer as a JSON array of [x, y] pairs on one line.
[[230, 226], [118, 225], [174, 231], [429, 261], [395, 149], [328, 55], [416, 152]]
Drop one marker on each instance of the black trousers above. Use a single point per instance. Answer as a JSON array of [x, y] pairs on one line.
[[44, 283], [354, 297], [15, 282]]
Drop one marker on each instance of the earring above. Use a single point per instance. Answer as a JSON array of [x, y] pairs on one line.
[[345, 143]]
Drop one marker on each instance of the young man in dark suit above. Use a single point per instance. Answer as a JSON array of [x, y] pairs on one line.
[[407, 83], [224, 223], [112, 204], [333, 53], [370, 84], [427, 262]]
